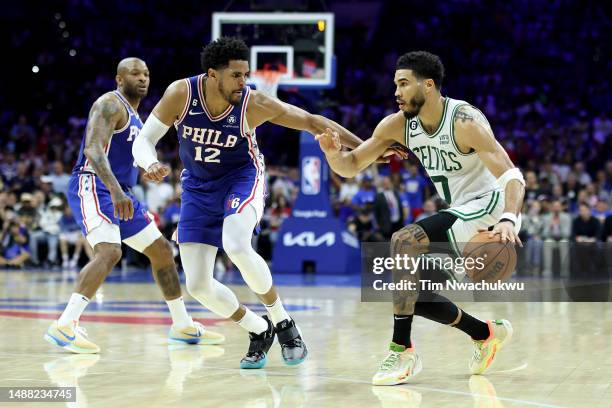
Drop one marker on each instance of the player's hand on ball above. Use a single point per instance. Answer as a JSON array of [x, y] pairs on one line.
[[157, 172], [505, 230], [124, 208], [329, 141]]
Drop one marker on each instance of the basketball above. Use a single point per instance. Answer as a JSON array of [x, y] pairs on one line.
[[493, 260]]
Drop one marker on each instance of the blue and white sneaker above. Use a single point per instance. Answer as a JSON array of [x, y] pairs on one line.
[[71, 337], [196, 334]]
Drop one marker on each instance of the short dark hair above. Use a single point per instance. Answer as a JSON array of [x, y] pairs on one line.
[[220, 52], [424, 65]]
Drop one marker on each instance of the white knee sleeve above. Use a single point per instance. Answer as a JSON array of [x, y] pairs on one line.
[[237, 233], [198, 263]]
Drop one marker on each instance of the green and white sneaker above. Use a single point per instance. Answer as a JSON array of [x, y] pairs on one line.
[[486, 350], [400, 366]]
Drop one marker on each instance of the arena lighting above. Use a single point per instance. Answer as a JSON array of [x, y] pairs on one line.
[[72, 52], [35, 69]]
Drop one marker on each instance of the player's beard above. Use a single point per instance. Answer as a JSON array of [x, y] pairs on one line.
[[415, 104], [228, 95], [132, 91]]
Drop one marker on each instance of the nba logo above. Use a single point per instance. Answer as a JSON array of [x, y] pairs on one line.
[[311, 175]]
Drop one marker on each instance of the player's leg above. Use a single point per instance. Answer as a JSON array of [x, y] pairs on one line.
[[141, 234], [184, 329], [199, 235], [198, 263], [65, 332], [93, 210], [402, 362], [433, 306], [488, 337], [237, 233]]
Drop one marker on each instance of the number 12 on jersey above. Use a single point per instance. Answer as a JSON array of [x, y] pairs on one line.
[[211, 158]]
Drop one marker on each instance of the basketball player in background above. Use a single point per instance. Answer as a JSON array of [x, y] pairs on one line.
[[471, 171], [100, 198], [216, 114]]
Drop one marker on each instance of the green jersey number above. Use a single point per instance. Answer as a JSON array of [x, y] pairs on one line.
[[445, 190]]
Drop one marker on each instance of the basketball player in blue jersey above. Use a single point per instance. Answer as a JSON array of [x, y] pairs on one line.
[[216, 115], [101, 201]]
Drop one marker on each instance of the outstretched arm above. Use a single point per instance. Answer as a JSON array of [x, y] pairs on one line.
[[104, 117], [348, 164], [167, 110], [473, 131], [263, 108]]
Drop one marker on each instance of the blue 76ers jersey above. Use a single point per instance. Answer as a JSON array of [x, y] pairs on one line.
[[210, 147], [118, 149]]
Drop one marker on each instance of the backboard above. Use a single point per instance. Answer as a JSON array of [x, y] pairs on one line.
[[301, 45]]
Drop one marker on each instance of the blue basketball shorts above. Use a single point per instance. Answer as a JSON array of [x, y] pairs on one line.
[[205, 204]]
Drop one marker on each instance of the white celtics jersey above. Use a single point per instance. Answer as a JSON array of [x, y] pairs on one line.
[[459, 177]]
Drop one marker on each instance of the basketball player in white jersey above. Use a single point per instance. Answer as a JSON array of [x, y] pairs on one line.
[[471, 171]]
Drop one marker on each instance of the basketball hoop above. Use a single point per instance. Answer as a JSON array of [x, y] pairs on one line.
[[267, 81]]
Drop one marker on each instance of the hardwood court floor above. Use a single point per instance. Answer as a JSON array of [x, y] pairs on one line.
[[560, 355]]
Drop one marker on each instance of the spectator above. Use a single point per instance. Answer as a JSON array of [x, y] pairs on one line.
[[556, 232], [533, 225], [532, 187], [366, 194], [15, 249], [348, 189], [48, 232], [601, 210], [606, 235], [415, 186], [363, 227], [583, 177], [171, 214], [71, 235], [58, 178], [279, 212], [571, 188], [429, 209], [159, 195], [585, 228], [22, 182], [388, 210]]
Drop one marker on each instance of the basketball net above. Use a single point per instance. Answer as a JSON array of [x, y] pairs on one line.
[[267, 81]]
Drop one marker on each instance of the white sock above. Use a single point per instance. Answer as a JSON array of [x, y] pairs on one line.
[[277, 311], [74, 309], [253, 323], [178, 311]]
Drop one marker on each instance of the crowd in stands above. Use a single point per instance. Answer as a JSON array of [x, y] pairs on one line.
[[539, 77]]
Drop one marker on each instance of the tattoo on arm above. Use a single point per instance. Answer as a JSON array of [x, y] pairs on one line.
[[103, 118], [470, 114]]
